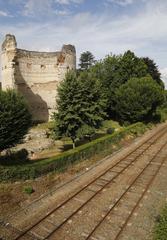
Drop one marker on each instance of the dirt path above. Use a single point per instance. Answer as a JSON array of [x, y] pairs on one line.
[[105, 202]]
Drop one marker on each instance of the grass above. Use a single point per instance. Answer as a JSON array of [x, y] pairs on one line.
[[160, 232], [44, 126]]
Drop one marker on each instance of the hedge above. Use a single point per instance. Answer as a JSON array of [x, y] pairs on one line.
[[103, 145]]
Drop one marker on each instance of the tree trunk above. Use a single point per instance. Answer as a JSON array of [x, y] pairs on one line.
[[73, 143]]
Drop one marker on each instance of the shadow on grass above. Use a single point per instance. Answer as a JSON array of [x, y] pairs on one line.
[[15, 158]]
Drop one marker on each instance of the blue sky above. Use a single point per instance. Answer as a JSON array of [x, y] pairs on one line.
[[100, 26]]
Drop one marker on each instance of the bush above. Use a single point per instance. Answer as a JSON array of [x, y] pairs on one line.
[[29, 190], [110, 130], [15, 118], [101, 146], [162, 113]]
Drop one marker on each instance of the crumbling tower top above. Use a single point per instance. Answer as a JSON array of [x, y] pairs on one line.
[[9, 43], [36, 75]]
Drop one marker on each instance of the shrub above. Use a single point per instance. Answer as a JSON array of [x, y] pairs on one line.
[[102, 146], [15, 118], [162, 113], [29, 190], [85, 131], [110, 130]]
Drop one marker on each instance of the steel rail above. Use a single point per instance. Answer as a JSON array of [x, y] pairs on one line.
[[120, 198], [86, 202], [139, 200], [159, 133]]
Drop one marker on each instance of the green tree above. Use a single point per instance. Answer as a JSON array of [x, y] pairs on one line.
[[81, 107], [153, 70], [165, 100], [138, 99], [114, 71], [15, 118], [86, 60]]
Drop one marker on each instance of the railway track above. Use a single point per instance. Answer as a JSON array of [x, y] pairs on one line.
[[58, 222], [138, 190]]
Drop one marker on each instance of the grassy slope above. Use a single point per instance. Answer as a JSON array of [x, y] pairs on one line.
[[161, 226], [101, 146]]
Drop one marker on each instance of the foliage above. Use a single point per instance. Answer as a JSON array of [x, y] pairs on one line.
[[162, 113], [85, 131], [114, 71], [152, 69], [29, 190], [138, 99], [110, 130], [86, 60], [161, 226], [102, 146], [80, 103], [110, 124], [165, 99], [14, 157], [131, 66], [15, 118]]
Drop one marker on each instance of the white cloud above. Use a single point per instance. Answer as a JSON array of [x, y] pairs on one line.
[[34, 7], [43, 7], [121, 2], [62, 12], [100, 34], [164, 76], [4, 14], [67, 2]]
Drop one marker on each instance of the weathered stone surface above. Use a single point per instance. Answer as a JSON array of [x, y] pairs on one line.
[[36, 75], [35, 141]]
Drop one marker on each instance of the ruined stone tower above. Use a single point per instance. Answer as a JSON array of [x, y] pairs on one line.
[[36, 75]]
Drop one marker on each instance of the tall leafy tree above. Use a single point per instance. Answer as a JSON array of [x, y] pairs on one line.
[[153, 70], [114, 71], [86, 60], [132, 66], [138, 99], [81, 106], [15, 118]]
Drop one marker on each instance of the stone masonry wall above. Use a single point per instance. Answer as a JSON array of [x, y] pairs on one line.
[[36, 75]]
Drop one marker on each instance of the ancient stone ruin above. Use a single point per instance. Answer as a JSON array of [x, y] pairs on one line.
[[36, 75]]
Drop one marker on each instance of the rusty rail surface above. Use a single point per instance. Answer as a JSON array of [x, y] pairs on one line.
[[28, 233]]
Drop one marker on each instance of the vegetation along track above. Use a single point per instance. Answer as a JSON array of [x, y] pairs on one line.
[[85, 214]]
